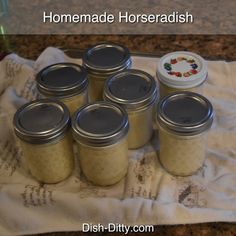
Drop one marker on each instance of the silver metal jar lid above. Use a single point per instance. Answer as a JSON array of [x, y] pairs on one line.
[[41, 121], [185, 113], [100, 124], [62, 80], [132, 89], [106, 58]]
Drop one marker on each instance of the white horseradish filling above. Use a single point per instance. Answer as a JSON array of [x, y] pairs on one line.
[[141, 128], [182, 155], [104, 165], [52, 162], [75, 102], [96, 85], [166, 90]]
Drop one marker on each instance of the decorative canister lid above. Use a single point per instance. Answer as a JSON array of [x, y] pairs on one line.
[[185, 113], [100, 124], [133, 89], [62, 80], [41, 121], [106, 58], [182, 70]]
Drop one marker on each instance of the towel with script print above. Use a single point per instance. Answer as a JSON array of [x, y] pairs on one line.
[[147, 195]]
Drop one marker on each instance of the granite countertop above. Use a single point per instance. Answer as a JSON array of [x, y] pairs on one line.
[[213, 47]]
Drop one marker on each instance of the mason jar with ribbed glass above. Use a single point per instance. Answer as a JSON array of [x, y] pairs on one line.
[[101, 61], [100, 130], [136, 92], [42, 128], [184, 120], [181, 71], [67, 82]]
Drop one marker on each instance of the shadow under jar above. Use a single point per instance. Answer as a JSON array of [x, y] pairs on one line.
[[42, 127], [100, 130], [181, 71], [64, 81], [183, 119], [101, 61], [136, 92]]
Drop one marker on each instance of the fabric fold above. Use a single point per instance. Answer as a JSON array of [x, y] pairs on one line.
[[147, 195]]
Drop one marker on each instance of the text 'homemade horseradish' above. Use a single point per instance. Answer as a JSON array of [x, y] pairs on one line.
[[183, 119], [181, 71], [121, 17], [101, 61], [64, 81], [100, 130], [42, 127], [136, 92]]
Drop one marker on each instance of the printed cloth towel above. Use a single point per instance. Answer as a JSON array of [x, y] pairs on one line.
[[147, 195]]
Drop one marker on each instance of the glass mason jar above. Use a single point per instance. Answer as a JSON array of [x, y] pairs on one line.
[[181, 71], [42, 128], [100, 130], [101, 61], [183, 119], [136, 92], [64, 81]]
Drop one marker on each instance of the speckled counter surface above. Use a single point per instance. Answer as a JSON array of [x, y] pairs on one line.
[[211, 47]]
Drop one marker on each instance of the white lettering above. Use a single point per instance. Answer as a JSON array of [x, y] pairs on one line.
[[45, 17], [111, 227], [127, 228], [78, 18], [85, 227], [123, 17], [189, 18], [174, 17]]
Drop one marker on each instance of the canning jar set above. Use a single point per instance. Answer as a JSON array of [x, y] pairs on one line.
[[107, 107]]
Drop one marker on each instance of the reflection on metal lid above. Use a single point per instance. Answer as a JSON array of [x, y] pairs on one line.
[[41, 121], [62, 79], [185, 113], [106, 58], [100, 123], [131, 88]]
